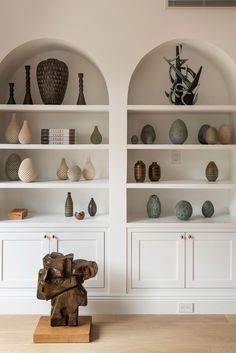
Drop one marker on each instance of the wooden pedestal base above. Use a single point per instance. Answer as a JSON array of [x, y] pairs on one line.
[[44, 333]]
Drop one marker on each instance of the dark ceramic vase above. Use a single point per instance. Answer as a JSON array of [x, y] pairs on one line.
[[12, 166], [154, 172], [92, 207], [96, 137], [139, 171], [211, 171], [153, 207], [81, 99], [28, 98], [11, 99], [52, 77], [148, 134], [202, 134], [183, 210], [208, 209], [69, 206], [178, 132]]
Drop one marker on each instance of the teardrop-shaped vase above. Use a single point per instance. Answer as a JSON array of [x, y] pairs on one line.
[[89, 170], [27, 171], [96, 137], [25, 135], [92, 207], [62, 170], [12, 131]]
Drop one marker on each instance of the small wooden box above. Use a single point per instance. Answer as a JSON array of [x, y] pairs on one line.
[[17, 213]]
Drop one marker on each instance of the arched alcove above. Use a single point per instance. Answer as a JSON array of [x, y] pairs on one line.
[[150, 78], [31, 53]]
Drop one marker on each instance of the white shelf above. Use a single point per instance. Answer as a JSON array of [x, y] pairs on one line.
[[183, 184], [21, 108], [57, 220], [56, 184], [172, 221], [7, 146], [181, 108], [180, 147]]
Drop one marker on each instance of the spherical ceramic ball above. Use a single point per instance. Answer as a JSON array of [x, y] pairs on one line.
[[27, 171], [211, 136], [202, 134], [74, 173], [208, 209], [134, 139], [225, 134], [183, 210], [178, 132]]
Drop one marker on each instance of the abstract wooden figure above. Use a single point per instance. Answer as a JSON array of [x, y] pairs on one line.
[[61, 281]]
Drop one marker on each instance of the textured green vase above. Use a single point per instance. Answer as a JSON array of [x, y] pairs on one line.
[[208, 209], [183, 210], [96, 137], [153, 207]]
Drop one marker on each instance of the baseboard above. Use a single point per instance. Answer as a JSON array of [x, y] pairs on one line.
[[122, 305]]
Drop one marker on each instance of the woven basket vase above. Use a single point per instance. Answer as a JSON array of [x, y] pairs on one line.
[[52, 77]]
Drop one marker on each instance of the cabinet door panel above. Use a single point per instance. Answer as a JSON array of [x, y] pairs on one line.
[[211, 260], [157, 260], [21, 258], [84, 245]]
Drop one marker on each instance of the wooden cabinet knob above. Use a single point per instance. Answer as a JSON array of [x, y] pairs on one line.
[[189, 236], [182, 236], [45, 236], [53, 236]]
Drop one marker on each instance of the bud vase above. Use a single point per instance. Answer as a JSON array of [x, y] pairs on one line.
[[12, 131], [92, 207], [11, 99], [96, 137], [81, 99], [25, 135], [28, 98], [89, 170], [69, 206], [62, 170]]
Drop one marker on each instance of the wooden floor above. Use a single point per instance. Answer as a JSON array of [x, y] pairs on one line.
[[130, 333]]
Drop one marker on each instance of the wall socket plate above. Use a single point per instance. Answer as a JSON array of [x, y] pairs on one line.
[[186, 308], [175, 157]]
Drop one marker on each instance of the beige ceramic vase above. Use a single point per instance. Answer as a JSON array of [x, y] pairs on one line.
[[74, 173], [12, 131], [225, 134], [25, 135], [89, 170], [27, 171], [62, 170]]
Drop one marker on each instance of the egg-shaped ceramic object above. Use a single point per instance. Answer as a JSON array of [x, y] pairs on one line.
[[148, 134], [74, 173], [225, 134], [211, 136], [183, 210], [202, 134], [134, 139], [178, 132], [27, 171], [211, 171], [12, 166], [208, 209]]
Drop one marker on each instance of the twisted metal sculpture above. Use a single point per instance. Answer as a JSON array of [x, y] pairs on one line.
[[185, 82], [61, 281]]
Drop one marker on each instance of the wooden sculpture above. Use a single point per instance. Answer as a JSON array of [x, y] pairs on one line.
[[61, 281]]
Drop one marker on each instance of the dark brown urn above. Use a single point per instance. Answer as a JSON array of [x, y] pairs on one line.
[[52, 77], [139, 171], [154, 172]]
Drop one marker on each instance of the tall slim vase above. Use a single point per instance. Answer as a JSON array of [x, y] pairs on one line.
[[28, 99]]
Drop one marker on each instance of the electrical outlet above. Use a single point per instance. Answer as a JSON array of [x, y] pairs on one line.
[[176, 157], [186, 308]]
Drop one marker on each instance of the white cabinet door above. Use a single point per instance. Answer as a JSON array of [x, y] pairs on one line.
[[157, 260], [88, 245], [21, 256], [211, 260]]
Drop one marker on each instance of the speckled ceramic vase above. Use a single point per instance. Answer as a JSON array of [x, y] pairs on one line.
[[139, 171], [74, 173], [25, 135], [12, 166], [96, 137], [12, 131], [148, 134], [178, 132], [62, 170], [211, 171], [153, 207], [208, 209]]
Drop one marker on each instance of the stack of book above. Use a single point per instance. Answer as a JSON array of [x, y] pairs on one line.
[[58, 136]]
